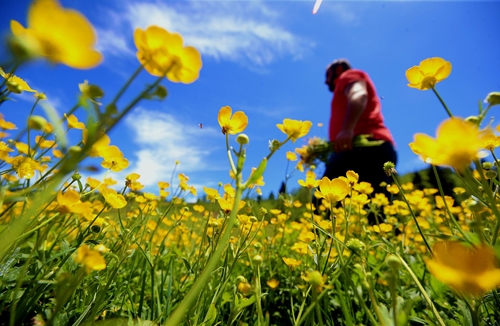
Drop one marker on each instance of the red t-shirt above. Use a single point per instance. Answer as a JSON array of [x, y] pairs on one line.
[[371, 120]]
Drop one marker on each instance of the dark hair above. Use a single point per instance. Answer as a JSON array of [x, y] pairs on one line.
[[338, 62]]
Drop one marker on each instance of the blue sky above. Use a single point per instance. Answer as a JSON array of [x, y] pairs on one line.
[[267, 58]]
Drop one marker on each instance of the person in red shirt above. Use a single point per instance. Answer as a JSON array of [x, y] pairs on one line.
[[356, 110]]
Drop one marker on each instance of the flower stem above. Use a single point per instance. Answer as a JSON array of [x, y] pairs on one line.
[[442, 102], [422, 290], [413, 215]]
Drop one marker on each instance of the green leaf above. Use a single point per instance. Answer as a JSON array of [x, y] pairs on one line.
[[159, 93], [210, 317], [258, 173], [188, 266], [244, 302]]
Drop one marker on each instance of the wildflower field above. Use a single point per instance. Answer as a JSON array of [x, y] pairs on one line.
[[82, 251]]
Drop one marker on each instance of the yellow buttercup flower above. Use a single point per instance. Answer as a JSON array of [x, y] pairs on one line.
[[332, 191], [291, 262], [428, 73], [232, 125], [25, 167], [273, 283], [113, 199], [457, 143], [90, 258], [471, 270], [310, 182], [4, 151], [295, 128], [212, 194], [60, 35], [163, 54], [69, 202], [291, 156], [73, 122], [15, 84]]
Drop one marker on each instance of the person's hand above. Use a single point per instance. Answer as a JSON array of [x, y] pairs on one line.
[[343, 142]]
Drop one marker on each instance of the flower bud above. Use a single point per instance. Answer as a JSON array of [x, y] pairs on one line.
[[315, 278], [393, 262], [257, 260], [253, 219], [390, 168], [490, 174], [242, 139], [40, 96], [487, 165], [474, 119], [274, 145], [74, 150], [36, 122], [355, 244], [95, 228], [14, 87], [76, 176], [493, 98]]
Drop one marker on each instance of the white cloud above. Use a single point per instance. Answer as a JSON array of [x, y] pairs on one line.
[[244, 32], [341, 11], [162, 139], [113, 43]]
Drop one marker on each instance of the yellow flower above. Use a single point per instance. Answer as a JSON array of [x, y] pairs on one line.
[[60, 35], [489, 140], [232, 125], [163, 54], [273, 283], [291, 156], [163, 185], [15, 84], [332, 190], [132, 177], [428, 73], [382, 227], [25, 167], [90, 258], [69, 202], [472, 270], [291, 262], [310, 182], [352, 177], [113, 199], [244, 287], [295, 128], [113, 159], [212, 194], [4, 151], [73, 122], [227, 204], [457, 144], [6, 125]]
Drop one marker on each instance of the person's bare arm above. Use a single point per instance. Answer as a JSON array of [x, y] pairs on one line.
[[357, 97]]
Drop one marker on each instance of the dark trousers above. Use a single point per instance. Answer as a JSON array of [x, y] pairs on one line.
[[367, 162]]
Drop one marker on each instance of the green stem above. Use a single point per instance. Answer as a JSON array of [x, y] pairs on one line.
[[412, 214], [127, 84], [191, 297], [422, 290], [441, 192], [442, 102]]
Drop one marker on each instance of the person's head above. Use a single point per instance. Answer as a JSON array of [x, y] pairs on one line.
[[334, 70]]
